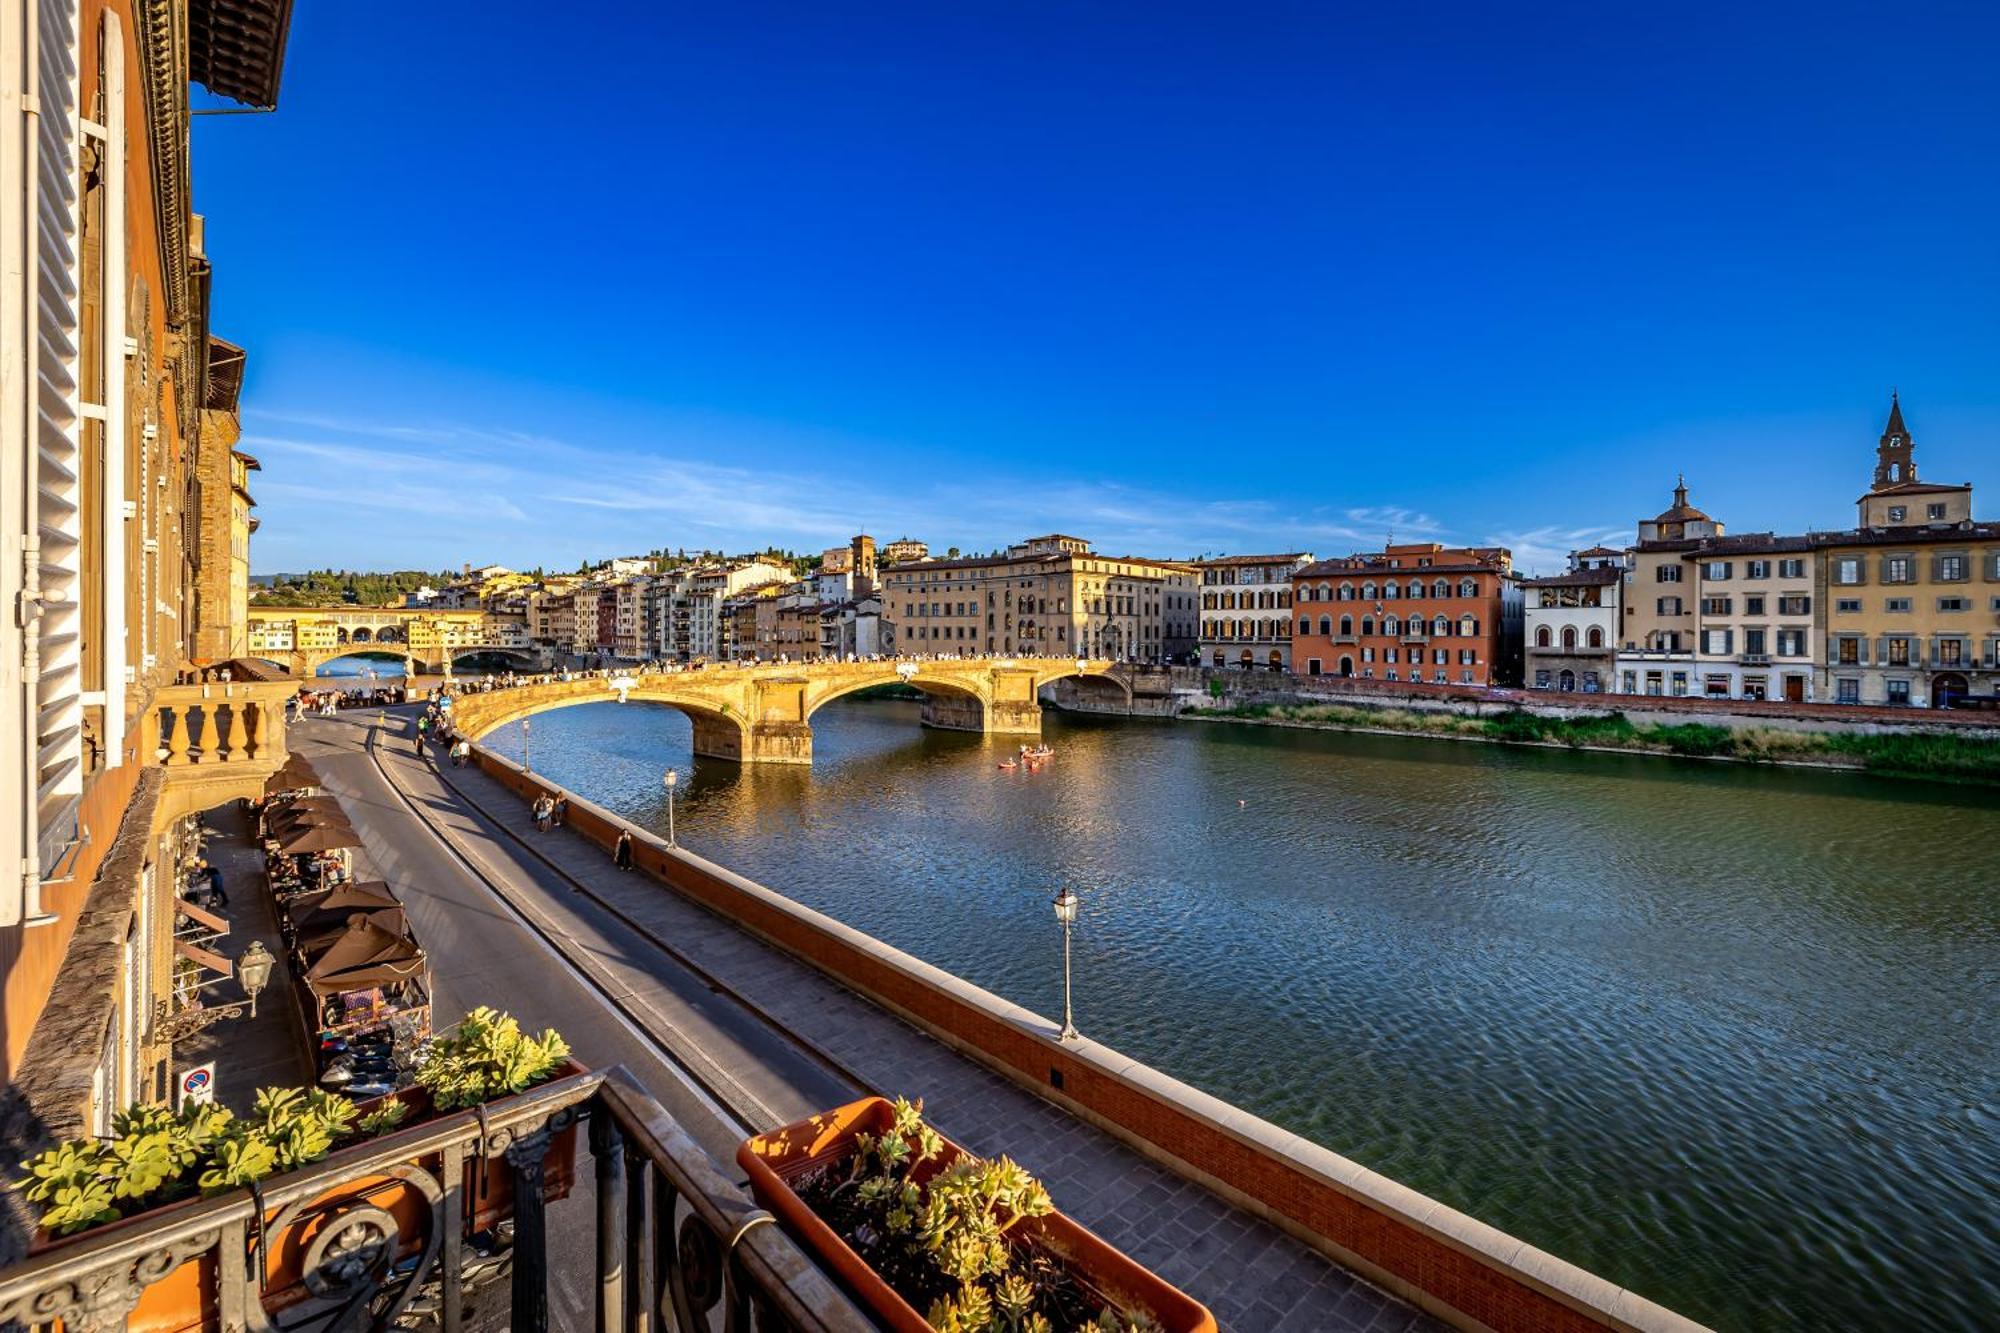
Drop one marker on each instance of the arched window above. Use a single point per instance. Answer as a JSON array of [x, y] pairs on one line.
[[1247, 629], [1367, 592], [1596, 636], [1440, 626], [1347, 592], [1417, 589], [1542, 639], [1367, 626], [1468, 627], [1391, 591], [1391, 625], [1347, 624], [1569, 637], [1467, 588], [1305, 626], [1441, 589]]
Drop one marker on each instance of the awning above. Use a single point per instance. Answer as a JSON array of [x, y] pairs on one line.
[[314, 936], [202, 915], [194, 953], [296, 774]]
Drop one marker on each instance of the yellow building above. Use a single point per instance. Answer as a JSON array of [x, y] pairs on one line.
[[1048, 596], [1911, 596], [119, 472]]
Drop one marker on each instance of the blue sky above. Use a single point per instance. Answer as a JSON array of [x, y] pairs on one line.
[[524, 285]]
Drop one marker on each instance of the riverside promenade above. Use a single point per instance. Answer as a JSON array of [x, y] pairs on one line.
[[732, 1034]]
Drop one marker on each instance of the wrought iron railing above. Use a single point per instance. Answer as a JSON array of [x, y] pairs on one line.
[[678, 1245]]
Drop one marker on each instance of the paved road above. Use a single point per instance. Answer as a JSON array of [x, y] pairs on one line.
[[466, 882], [482, 953]]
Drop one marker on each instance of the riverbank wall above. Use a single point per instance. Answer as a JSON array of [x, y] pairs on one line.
[[1955, 746], [1466, 1273]]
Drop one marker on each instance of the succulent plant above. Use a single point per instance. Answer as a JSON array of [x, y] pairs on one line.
[[487, 1056]]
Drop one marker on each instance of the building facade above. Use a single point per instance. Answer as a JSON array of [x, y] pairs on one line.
[[120, 524], [1049, 596], [1910, 597], [1754, 599], [1571, 624], [1246, 610], [1415, 613], [1656, 647]]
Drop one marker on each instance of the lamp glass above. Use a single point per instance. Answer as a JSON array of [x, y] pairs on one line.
[[1065, 905]]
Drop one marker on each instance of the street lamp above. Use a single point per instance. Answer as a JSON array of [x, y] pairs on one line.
[[670, 781], [1065, 905], [253, 969], [526, 765]]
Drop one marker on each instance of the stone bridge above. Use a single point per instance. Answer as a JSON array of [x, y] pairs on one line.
[[763, 713], [416, 661]]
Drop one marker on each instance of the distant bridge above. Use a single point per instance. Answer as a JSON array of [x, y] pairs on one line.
[[429, 661], [426, 639], [762, 714]]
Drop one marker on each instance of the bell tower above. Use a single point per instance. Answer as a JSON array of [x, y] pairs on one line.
[[1895, 456]]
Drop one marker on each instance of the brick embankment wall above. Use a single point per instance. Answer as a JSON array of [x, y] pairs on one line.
[[1459, 1269]]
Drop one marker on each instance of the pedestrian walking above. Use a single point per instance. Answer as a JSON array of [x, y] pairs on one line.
[[561, 812], [215, 888], [544, 810], [622, 856]]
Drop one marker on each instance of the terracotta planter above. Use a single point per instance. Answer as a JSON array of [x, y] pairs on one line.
[[774, 1160], [185, 1299]]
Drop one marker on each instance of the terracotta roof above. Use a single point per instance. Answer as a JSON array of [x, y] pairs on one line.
[[1954, 534], [1598, 552], [1749, 543], [1289, 557], [1916, 488], [1576, 578]]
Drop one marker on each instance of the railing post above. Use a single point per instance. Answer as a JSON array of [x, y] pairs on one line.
[[451, 1230], [530, 1307], [641, 1293], [173, 727], [607, 1151]]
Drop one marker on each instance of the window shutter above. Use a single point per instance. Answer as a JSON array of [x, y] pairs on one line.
[[41, 448]]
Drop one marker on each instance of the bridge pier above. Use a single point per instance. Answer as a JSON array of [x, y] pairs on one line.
[[755, 743]]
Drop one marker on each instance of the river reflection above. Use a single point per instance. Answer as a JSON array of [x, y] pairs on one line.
[[1720, 1034]]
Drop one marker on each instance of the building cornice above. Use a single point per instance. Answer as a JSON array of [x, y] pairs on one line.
[[162, 44]]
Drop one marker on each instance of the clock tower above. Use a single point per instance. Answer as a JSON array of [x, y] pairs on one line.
[[1895, 456]]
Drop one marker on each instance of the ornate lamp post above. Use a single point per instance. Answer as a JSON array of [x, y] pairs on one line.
[[671, 781], [526, 765], [1065, 905], [253, 969]]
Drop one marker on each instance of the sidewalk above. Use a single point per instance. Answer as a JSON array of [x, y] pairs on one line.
[[270, 1049], [1253, 1276]]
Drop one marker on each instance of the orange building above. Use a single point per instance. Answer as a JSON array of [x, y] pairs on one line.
[[1414, 613]]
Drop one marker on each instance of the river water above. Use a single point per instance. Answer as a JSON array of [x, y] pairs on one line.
[[1723, 1035]]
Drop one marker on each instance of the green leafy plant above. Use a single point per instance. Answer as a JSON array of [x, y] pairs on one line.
[[942, 1233], [486, 1056], [383, 1118]]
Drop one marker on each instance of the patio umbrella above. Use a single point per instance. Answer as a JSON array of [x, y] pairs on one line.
[[315, 936], [321, 808], [297, 772], [317, 838], [285, 828], [337, 904], [365, 955]]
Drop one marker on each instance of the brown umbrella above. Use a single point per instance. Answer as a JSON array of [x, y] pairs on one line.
[[286, 828], [297, 772], [315, 808], [365, 955], [316, 936], [339, 903], [317, 838]]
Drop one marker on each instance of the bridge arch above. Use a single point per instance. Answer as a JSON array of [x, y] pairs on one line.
[[719, 733], [357, 651]]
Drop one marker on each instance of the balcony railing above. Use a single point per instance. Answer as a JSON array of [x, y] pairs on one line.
[[677, 1244], [217, 724]]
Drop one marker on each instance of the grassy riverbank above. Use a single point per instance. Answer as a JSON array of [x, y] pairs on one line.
[[1958, 758]]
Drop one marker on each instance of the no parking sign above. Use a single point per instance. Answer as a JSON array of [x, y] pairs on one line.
[[198, 1086]]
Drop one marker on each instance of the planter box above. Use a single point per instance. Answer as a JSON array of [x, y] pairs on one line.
[[185, 1300], [774, 1160]]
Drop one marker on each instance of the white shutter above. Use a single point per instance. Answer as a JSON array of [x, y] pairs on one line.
[[59, 780]]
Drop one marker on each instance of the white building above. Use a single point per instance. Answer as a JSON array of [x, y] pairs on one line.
[[1246, 610], [1573, 620]]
